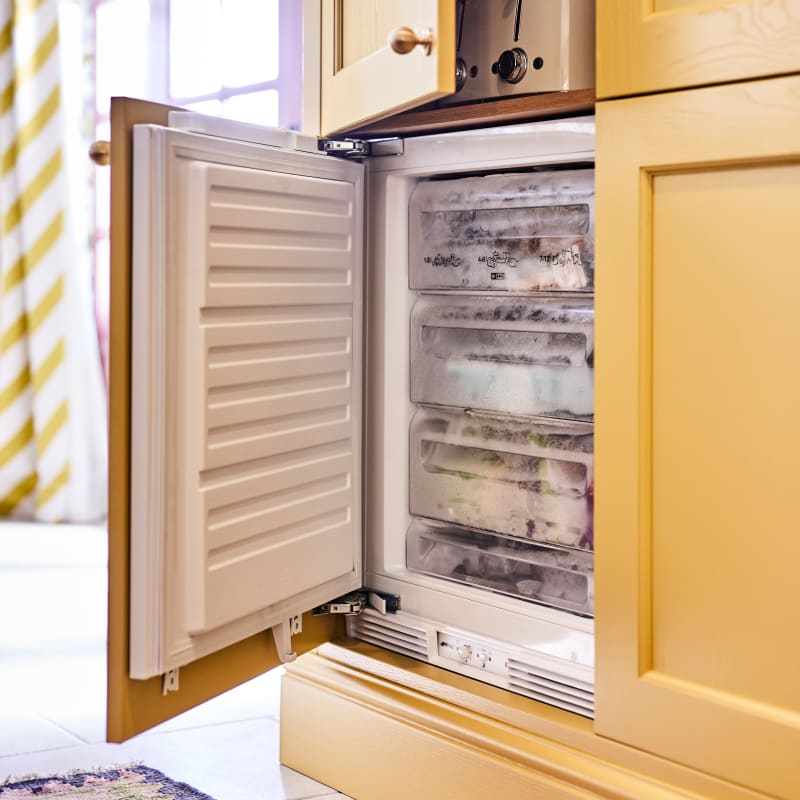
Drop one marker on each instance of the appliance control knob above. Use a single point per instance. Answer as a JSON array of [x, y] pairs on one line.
[[512, 65], [464, 651], [461, 74]]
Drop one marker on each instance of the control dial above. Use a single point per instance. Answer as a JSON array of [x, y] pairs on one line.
[[512, 65], [461, 74], [464, 651]]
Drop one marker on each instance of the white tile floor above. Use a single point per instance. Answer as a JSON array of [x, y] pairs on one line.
[[52, 683]]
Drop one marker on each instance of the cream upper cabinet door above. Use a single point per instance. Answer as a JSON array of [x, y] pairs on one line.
[[235, 404], [651, 46], [362, 78], [697, 429]]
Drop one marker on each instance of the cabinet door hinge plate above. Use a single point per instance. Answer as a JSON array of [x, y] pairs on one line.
[[170, 681], [356, 602], [361, 148], [282, 634]]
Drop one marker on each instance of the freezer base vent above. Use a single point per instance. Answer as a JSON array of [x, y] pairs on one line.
[[387, 632], [548, 687], [556, 681]]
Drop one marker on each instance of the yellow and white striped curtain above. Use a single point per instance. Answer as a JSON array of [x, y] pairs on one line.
[[34, 253]]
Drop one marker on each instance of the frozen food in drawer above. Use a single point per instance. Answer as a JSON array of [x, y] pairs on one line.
[[560, 578], [515, 232], [529, 478], [518, 356]]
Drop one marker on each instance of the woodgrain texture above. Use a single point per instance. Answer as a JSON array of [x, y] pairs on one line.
[[670, 44], [522, 108], [365, 25], [363, 79], [696, 612], [135, 705]]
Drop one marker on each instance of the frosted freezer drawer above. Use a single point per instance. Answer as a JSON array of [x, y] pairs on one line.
[[527, 478], [517, 356], [560, 578], [516, 232]]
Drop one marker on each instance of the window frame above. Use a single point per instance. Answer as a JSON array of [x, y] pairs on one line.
[[288, 83]]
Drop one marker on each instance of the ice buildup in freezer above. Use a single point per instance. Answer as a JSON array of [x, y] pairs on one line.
[[532, 356], [510, 232], [560, 578], [530, 478]]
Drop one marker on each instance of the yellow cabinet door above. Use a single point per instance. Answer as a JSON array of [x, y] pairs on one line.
[[697, 429], [362, 78], [135, 705], [651, 46]]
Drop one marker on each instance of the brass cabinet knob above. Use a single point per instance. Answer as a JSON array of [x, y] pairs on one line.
[[404, 40], [100, 152]]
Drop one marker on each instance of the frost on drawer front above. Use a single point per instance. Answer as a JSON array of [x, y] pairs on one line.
[[556, 577], [527, 478], [518, 232], [520, 356]]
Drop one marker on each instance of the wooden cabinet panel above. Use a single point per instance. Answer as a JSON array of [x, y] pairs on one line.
[[669, 44], [696, 611], [362, 79], [364, 26], [135, 705], [451, 737]]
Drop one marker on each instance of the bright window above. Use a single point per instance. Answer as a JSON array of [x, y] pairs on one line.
[[236, 58]]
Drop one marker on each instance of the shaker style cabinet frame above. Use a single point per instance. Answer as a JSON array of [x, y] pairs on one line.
[[697, 635], [696, 632], [656, 45], [362, 78]]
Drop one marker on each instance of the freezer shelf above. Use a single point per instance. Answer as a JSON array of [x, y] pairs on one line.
[[560, 578], [518, 356], [530, 478], [514, 232]]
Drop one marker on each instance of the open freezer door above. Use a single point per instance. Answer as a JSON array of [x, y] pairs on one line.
[[235, 404]]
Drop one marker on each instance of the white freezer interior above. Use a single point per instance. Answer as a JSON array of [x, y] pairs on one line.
[[558, 641]]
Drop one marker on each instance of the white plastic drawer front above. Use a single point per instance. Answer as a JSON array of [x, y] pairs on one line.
[[251, 296], [514, 355], [509, 232], [525, 477]]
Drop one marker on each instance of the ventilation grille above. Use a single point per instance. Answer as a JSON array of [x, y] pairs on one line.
[[548, 687], [385, 632]]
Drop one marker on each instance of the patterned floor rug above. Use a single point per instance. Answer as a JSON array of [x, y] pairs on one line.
[[125, 783]]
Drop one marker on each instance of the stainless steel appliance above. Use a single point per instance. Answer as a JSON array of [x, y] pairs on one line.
[[507, 47]]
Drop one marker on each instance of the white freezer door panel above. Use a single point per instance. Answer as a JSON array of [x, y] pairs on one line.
[[250, 296]]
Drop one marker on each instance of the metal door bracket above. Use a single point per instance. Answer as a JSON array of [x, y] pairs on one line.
[[345, 148], [361, 148], [356, 602], [170, 681], [282, 633]]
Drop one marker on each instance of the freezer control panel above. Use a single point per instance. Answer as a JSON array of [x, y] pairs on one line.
[[473, 653]]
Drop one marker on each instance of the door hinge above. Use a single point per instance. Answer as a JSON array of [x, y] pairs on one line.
[[169, 681], [345, 148], [356, 602], [361, 148], [282, 633]]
